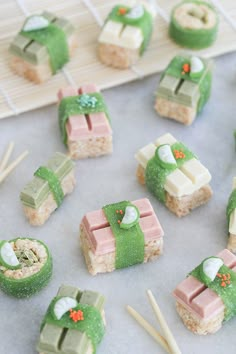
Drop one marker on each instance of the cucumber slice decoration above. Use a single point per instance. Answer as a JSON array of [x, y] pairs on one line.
[[7, 256], [165, 156], [136, 12], [34, 23], [210, 268], [196, 67], [63, 305], [130, 218]]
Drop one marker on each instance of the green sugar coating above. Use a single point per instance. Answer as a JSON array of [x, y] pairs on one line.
[[193, 38], [53, 182], [75, 105], [231, 204], [204, 81], [28, 286], [155, 173], [145, 23], [92, 324], [130, 242], [55, 40], [227, 294]]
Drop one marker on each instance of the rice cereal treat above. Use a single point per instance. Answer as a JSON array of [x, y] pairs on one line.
[[174, 175], [46, 191], [184, 88], [25, 266], [74, 323], [231, 218], [126, 34], [120, 235], [44, 45], [194, 24], [84, 122], [207, 297]]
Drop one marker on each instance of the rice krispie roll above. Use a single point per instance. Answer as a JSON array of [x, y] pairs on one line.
[[25, 266], [207, 297], [231, 219], [120, 235], [46, 191], [194, 24], [44, 45], [184, 88], [126, 34], [174, 175], [84, 122], [74, 323]]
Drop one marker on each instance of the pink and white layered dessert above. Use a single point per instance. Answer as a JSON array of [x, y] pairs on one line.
[[84, 122], [120, 235], [207, 297]]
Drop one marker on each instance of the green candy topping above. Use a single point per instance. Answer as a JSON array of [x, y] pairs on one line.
[[8, 257], [145, 22], [165, 156], [130, 218], [53, 182], [224, 285], [82, 104], [91, 324], [231, 205], [55, 40], [157, 171], [130, 241]]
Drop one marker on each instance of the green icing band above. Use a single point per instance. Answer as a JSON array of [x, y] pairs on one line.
[[231, 204], [227, 294], [193, 38], [204, 81], [92, 324], [55, 40], [130, 242], [155, 173], [145, 23], [75, 105], [53, 182]]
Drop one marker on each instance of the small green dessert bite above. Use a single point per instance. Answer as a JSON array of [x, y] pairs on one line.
[[25, 266], [194, 24], [74, 323]]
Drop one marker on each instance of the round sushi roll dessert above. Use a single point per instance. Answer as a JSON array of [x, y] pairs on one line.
[[194, 24], [25, 266]]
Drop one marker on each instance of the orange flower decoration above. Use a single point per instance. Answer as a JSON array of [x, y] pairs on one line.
[[76, 315], [186, 68], [225, 279], [122, 11], [179, 154]]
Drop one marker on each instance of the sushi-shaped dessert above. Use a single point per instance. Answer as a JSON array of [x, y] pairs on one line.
[[207, 297], [126, 34], [184, 88], [194, 24], [46, 191], [25, 266], [231, 219], [174, 175], [120, 235], [84, 122], [74, 323], [44, 45]]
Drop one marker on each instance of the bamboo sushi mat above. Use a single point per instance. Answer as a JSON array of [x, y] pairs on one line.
[[17, 95]]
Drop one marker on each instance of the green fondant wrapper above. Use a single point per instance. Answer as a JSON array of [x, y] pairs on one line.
[[231, 204], [227, 294], [192, 38], [155, 173], [28, 286], [55, 40], [145, 23], [130, 243], [70, 106]]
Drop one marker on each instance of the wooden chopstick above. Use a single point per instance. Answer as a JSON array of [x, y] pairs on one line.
[[13, 165], [150, 329], [166, 331], [6, 156]]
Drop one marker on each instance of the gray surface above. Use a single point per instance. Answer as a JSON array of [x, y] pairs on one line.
[[110, 179]]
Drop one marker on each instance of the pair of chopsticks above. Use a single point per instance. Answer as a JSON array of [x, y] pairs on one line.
[[6, 170], [167, 342]]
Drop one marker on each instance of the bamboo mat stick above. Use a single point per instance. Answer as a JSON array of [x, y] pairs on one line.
[[166, 331], [6, 156], [13, 165], [150, 329]]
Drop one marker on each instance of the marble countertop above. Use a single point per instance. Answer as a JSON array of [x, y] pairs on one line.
[[112, 178]]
